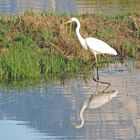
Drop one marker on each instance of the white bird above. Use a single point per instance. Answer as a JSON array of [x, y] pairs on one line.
[[96, 46], [93, 102]]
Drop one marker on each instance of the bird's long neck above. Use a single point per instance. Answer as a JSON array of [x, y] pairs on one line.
[[83, 108], [80, 38], [81, 118], [78, 31]]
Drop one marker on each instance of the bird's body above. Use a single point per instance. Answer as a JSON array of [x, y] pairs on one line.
[[95, 101], [94, 45]]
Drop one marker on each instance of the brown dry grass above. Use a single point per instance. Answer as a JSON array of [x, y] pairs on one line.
[[48, 30]]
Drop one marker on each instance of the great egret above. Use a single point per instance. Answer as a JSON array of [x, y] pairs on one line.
[[93, 102], [94, 45]]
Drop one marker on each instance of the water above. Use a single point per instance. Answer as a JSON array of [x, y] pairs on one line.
[[52, 111], [71, 6], [47, 111]]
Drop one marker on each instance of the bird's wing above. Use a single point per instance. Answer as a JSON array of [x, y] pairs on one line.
[[99, 46]]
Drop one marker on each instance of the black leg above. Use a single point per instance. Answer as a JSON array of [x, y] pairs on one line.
[[97, 73], [98, 79], [102, 82]]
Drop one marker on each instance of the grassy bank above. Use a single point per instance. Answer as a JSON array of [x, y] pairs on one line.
[[32, 45]]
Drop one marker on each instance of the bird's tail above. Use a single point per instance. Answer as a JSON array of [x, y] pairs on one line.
[[113, 51]]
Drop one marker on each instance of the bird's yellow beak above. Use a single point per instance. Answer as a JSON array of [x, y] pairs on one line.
[[67, 22]]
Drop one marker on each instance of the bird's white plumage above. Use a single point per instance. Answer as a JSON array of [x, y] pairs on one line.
[[94, 45], [99, 47]]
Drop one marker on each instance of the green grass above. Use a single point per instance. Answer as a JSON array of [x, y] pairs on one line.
[[35, 45]]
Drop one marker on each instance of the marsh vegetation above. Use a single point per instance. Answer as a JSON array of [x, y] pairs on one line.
[[34, 45]]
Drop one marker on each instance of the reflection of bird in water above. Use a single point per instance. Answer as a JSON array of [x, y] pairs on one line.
[[94, 45], [95, 101]]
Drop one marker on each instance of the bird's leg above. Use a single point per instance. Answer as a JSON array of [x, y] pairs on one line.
[[97, 80], [97, 73], [97, 67], [106, 83], [104, 56], [97, 86]]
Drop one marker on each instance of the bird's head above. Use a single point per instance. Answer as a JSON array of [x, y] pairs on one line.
[[71, 20]]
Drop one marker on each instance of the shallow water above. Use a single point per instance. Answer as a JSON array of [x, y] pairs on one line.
[[108, 7], [48, 111]]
